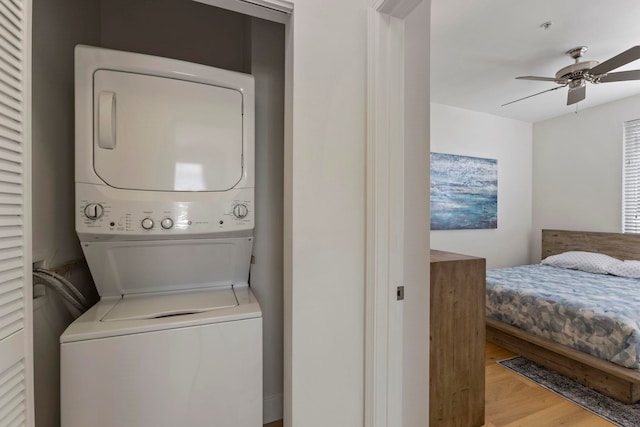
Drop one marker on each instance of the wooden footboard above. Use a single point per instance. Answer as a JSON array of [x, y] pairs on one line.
[[608, 378]]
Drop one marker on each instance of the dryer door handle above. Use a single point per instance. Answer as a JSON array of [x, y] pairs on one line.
[[107, 120]]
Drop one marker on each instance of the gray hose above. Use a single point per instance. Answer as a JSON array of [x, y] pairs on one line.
[[67, 284], [60, 289]]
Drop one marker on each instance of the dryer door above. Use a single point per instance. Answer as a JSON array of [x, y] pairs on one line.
[[162, 134]]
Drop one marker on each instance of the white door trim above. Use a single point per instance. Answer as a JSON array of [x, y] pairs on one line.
[[385, 211]]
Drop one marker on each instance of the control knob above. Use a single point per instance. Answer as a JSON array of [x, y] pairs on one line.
[[93, 211], [240, 210], [147, 223], [166, 223]]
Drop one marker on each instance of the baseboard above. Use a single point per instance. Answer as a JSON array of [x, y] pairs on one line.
[[272, 408]]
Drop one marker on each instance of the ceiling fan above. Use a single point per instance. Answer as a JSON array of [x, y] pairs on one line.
[[578, 74]]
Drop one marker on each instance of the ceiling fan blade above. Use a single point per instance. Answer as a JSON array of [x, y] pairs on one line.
[[539, 93], [576, 95], [542, 79], [620, 76], [619, 60]]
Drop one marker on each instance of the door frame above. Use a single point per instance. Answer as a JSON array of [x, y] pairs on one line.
[[385, 258]]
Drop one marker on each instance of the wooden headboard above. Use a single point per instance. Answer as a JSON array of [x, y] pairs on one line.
[[618, 245]]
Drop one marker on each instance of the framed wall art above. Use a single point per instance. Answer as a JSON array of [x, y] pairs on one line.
[[464, 192]]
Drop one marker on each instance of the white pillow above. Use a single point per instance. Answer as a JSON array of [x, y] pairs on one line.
[[590, 262], [626, 269]]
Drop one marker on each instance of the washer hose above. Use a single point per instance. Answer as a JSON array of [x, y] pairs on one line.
[[62, 287]]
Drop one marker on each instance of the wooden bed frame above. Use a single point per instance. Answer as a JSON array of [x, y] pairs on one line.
[[606, 377]]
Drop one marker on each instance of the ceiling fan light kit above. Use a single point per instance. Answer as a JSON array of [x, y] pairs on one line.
[[579, 73]]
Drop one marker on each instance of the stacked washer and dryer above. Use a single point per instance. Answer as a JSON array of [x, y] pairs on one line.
[[165, 215]]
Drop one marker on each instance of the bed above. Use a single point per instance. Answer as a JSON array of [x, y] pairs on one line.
[[612, 379]]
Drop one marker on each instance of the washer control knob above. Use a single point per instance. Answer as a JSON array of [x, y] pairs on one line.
[[93, 211], [147, 223], [166, 223], [240, 210]]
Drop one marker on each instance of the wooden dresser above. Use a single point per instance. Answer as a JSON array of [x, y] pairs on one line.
[[457, 340]]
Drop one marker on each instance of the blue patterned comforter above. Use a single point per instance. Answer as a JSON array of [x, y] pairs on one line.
[[594, 313]]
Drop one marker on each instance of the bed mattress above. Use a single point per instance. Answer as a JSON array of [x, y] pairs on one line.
[[597, 314]]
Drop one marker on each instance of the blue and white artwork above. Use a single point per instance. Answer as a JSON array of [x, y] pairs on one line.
[[464, 192]]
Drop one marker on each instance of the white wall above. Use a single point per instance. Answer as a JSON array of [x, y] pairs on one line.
[[469, 133], [324, 213], [577, 170]]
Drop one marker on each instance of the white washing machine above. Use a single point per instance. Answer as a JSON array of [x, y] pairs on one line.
[[164, 212]]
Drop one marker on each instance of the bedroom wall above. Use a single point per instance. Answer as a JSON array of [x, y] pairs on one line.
[[577, 170], [469, 133]]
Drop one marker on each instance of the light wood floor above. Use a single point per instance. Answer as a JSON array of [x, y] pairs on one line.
[[514, 401]]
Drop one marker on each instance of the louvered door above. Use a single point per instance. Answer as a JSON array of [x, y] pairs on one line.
[[16, 349]]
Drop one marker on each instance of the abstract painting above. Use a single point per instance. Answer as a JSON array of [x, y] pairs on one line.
[[464, 192]]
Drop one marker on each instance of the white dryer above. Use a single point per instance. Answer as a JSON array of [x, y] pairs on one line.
[[164, 213]]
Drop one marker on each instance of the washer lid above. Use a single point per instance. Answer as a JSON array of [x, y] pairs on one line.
[[155, 306], [160, 266], [163, 134], [90, 325]]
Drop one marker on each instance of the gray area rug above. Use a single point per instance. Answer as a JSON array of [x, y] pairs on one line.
[[610, 409]]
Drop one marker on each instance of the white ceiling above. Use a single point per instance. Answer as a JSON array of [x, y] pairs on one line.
[[478, 47]]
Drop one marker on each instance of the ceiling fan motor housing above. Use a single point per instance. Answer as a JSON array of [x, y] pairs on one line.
[[575, 71]]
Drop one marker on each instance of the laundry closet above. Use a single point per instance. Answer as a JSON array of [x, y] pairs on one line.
[[179, 29]]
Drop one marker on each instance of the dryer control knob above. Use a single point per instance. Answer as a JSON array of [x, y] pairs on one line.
[[166, 223], [147, 223], [93, 211], [240, 210]]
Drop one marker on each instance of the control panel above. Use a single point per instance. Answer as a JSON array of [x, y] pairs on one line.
[[100, 216]]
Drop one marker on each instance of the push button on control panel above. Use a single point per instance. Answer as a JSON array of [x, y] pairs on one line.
[[147, 223]]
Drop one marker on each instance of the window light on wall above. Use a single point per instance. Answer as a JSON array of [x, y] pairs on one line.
[[631, 177]]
